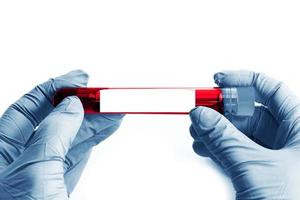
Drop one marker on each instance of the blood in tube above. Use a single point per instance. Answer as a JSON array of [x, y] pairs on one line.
[[157, 100]]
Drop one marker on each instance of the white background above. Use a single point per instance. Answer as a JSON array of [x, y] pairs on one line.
[[147, 43]]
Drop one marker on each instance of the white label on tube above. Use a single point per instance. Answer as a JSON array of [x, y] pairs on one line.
[[147, 100]]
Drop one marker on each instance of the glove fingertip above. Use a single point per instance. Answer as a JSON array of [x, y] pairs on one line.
[[204, 116], [71, 79], [71, 104], [218, 77]]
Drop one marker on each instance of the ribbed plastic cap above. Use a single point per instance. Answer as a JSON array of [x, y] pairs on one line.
[[238, 101]]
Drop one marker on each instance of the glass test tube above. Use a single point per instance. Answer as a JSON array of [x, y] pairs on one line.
[[236, 101]]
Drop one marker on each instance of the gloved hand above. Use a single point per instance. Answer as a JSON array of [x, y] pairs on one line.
[[261, 154], [43, 150]]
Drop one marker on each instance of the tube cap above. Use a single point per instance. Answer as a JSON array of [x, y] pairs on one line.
[[238, 101]]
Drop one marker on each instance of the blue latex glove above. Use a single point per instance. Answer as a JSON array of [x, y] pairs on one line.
[[43, 150], [261, 154]]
